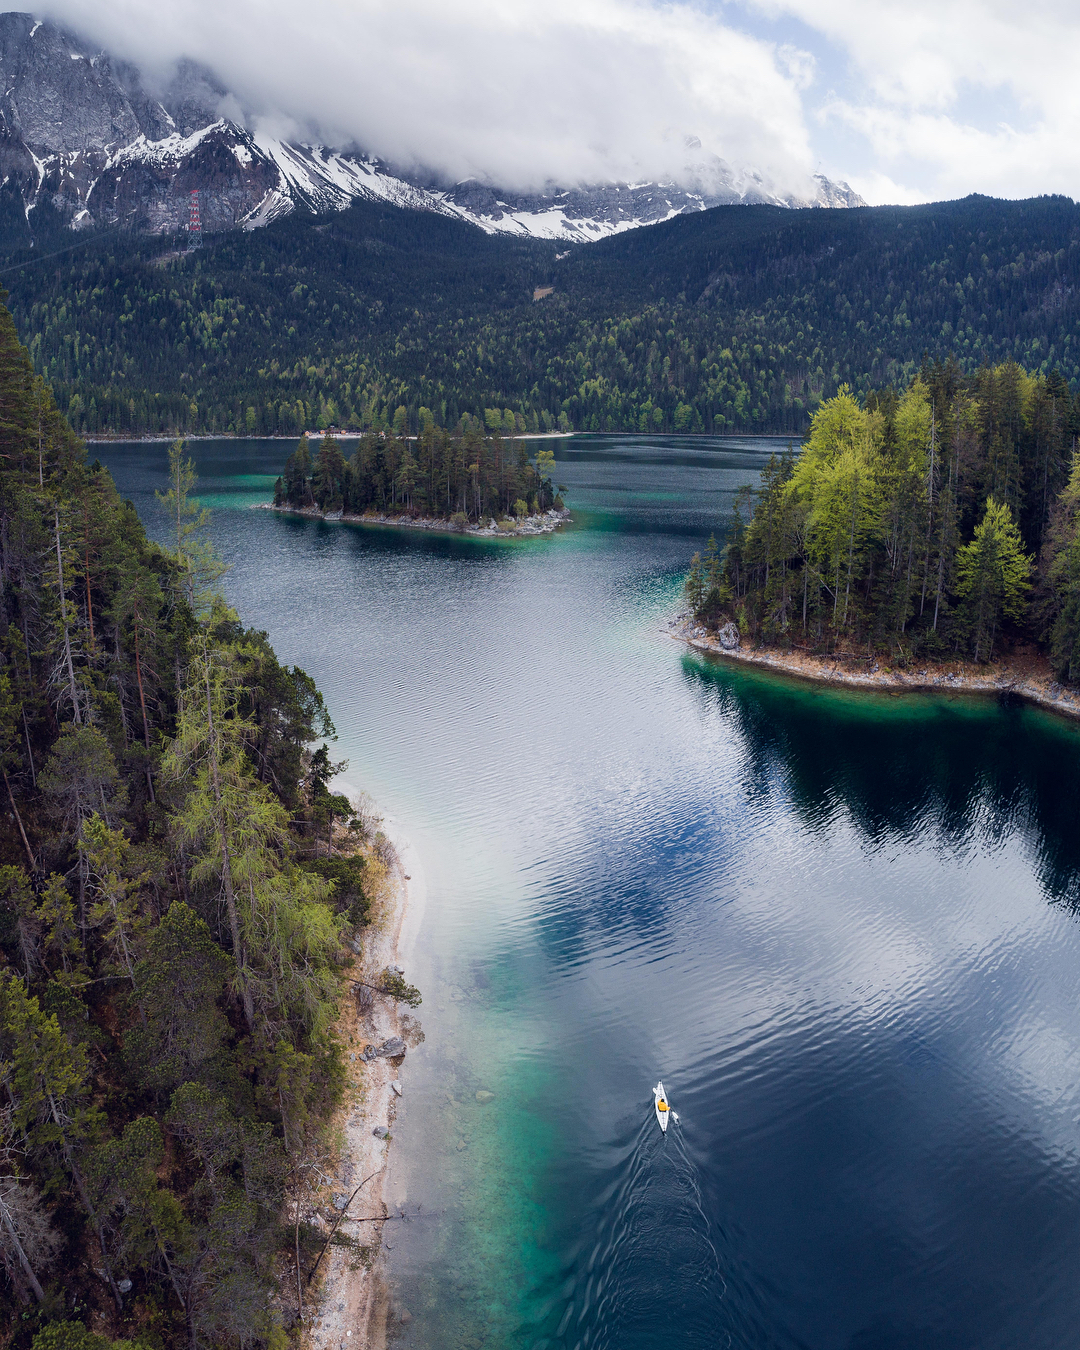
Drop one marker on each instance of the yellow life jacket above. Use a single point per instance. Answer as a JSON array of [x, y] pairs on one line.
[[661, 1106]]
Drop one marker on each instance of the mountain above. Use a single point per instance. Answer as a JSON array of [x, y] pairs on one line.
[[80, 132], [583, 214]]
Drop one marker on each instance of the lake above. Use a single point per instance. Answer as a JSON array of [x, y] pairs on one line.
[[840, 926]]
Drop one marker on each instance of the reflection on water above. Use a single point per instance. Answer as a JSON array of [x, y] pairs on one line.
[[840, 927], [901, 766]]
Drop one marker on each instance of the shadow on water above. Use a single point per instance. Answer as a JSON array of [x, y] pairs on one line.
[[973, 769], [401, 543], [959, 772]]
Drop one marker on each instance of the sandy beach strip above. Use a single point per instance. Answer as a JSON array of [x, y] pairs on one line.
[[349, 1301]]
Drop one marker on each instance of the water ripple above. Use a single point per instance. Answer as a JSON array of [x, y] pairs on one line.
[[841, 928]]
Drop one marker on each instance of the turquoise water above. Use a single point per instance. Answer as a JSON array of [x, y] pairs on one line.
[[841, 927]]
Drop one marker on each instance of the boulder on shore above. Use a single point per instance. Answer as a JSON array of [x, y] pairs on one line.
[[728, 637], [391, 1048]]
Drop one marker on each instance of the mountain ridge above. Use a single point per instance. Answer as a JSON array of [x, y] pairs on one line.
[[80, 131]]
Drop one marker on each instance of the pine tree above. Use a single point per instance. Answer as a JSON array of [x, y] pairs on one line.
[[147, 1224], [136, 612], [45, 1087], [1061, 571], [695, 585], [115, 888], [993, 577], [200, 567], [178, 980], [80, 778]]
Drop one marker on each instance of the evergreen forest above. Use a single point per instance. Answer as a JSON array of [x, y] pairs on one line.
[[941, 521], [173, 919], [735, 319]]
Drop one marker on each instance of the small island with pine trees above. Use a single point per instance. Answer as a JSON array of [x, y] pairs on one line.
[[924, 539], [467, 481]]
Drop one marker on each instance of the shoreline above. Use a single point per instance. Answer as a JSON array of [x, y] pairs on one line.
[[167, 438], [104, 438], [350, 1305], [546, 523], [1029, 678]]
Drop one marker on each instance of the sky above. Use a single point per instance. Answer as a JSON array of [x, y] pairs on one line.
[[920, 101]]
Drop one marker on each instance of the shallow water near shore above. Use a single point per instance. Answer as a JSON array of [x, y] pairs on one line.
[[841, 927]]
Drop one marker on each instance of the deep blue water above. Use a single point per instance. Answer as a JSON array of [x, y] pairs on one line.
[[840, 926]]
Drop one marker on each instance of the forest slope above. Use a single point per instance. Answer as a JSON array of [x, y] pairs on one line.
[[171, 929], [735, 319]]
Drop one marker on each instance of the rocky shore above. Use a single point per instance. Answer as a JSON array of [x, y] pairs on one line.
[[544, 523], [1027, 675]]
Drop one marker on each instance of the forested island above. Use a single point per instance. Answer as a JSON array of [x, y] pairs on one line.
[[936, 523], [459, 480], [173, 920]]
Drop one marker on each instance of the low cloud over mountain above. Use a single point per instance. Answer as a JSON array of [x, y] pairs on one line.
[[523, 95], [106, 141]]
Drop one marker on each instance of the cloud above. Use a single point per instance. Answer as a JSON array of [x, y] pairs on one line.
[[929, 99], [517, 91], [953, 96], [880, 190]]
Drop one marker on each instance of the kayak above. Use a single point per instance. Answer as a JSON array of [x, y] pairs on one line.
[[663, 1111]]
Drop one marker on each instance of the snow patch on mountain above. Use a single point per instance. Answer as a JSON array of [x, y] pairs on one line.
[[170, 150]]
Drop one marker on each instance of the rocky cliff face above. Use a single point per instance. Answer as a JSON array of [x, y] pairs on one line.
[[80, 131], [77, 129]]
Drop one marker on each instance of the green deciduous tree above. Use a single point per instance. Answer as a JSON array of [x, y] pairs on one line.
[[885, 525], [283, 935]]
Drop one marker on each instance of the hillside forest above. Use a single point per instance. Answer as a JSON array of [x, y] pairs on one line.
[[735, 319], [929, 523], [173, 918]]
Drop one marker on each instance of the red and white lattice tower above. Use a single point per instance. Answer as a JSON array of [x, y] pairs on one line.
[[194, 224]]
